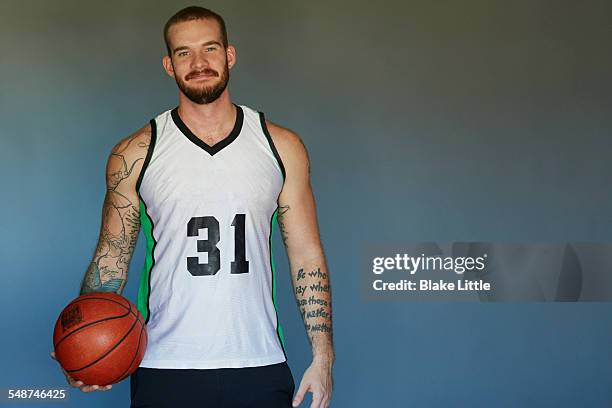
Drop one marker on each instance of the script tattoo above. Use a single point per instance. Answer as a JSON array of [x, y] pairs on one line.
[[313, 296], [120, 218]]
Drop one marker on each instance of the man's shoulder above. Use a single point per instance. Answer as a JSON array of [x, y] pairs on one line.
[[287, 141], [127, 157], [134, 143], [291, 149]]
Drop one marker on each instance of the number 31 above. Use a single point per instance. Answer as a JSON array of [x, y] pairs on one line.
[[238, 265]]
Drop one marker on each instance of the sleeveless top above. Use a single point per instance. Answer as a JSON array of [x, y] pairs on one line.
[[207, 289]]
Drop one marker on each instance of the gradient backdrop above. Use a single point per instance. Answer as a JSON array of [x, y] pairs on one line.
[[425, 121]]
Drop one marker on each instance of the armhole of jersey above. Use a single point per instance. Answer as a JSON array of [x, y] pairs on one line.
[[147, 159], [144, 290], [262, 119]]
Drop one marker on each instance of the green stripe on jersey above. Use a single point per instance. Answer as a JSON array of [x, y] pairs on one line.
[[143, 290], [279, 329]]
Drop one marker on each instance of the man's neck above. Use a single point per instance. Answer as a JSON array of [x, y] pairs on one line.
[[210, 122]]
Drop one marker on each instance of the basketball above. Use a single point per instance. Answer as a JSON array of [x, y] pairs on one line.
[[100, 338]]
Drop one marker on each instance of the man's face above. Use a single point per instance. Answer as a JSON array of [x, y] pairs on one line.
[[199, 63]]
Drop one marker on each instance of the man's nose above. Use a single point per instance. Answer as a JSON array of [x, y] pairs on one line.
[[199, 60]]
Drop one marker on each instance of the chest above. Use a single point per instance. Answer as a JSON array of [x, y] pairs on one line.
[[242, 175]]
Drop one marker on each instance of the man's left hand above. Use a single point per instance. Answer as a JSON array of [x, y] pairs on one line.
[[318, 380]]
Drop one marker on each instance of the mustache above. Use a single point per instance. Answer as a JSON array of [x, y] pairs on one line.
[[206, 72]]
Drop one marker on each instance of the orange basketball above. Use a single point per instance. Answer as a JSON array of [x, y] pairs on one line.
[[100, 338]]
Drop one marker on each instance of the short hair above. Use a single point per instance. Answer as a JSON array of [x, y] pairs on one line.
[[194, 13]]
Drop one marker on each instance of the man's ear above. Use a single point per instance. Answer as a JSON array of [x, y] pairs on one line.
[[231, 56], [167, 63]]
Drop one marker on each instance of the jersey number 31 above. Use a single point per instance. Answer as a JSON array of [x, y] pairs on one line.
[[238, 265]]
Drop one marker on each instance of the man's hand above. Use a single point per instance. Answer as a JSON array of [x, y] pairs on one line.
[[79, 384], [318, 380]]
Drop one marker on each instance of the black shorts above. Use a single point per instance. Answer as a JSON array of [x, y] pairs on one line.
[[268, 386]]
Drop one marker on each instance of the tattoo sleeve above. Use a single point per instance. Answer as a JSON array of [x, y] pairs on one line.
[[312, 291], [108, 271]]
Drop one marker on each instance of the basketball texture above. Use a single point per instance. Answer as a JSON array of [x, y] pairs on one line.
[[100, 338]]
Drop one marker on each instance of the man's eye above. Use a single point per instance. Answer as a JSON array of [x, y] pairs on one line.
[[182, 53], [210, 48]]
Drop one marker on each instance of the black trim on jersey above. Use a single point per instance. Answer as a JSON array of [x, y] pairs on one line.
[[149, 153], [216, 148], [262, 119], [145, 164], [272, 273], [152, 257]]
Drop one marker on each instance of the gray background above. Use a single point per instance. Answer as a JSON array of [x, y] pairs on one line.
[[425, 121]]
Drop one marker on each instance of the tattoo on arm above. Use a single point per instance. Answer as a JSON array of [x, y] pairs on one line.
[[92, 282], [108, 270], [284, 208], [281, 222], [313, 297]]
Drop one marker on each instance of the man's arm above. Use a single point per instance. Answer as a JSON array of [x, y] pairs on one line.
[[310, 278], [108, 270]]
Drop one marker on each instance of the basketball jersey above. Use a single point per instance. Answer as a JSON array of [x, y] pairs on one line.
[[207, 290]]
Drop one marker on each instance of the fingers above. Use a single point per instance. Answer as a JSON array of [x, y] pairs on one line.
[[320, 397], [317, 400], [299, 396], [90, 388], [73, 382], [80, 384], [320, 401]]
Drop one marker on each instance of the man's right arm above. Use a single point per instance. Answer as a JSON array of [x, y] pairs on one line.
[[108, 270]]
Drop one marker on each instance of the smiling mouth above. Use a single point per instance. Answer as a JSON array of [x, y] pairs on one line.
[[202, 76]]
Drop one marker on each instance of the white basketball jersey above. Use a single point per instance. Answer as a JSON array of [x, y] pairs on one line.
[[207, 290]]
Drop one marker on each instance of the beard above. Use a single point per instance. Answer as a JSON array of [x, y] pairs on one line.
[[203, 94]]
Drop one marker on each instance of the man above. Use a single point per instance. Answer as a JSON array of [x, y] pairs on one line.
[[206, 181]]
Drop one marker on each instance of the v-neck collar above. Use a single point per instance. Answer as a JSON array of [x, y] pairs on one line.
[[217, 147]]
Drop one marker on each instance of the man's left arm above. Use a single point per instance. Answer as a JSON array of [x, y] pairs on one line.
[[309, 275]]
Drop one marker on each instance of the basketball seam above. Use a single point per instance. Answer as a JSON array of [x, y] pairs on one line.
[[87, 325], [110, 350], [123, 375], [129, 308]]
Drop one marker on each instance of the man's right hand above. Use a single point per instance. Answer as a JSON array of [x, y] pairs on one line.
[[79, 384]]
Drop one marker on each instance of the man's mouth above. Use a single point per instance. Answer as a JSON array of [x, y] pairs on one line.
[[201, 75]]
